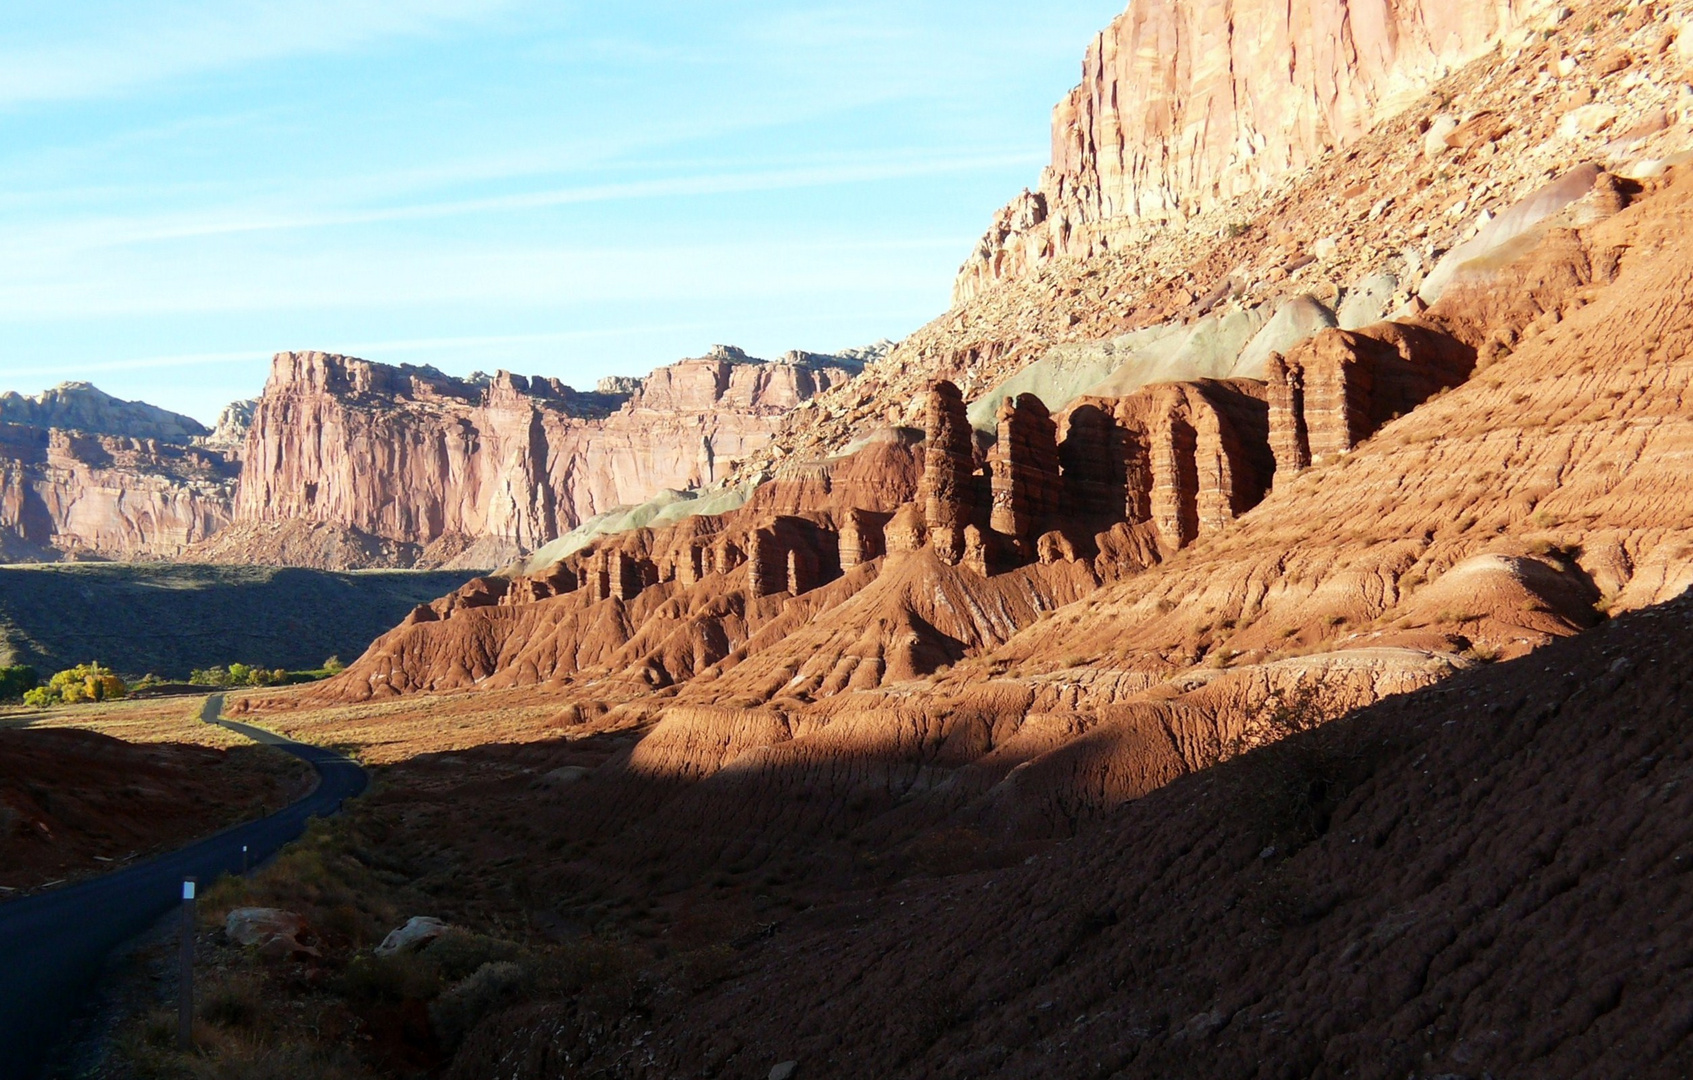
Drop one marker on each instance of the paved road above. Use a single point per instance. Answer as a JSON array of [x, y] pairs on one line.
[[53, 944]]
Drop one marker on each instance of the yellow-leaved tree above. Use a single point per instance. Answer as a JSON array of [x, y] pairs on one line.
[[85, 682]]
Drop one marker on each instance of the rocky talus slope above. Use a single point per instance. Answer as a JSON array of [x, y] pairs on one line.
[[1184, 104]]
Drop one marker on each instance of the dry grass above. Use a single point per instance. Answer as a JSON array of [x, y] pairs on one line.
[[161, 720], [385, 732]]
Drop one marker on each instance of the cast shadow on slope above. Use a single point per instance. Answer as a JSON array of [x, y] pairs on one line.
[[55, 616], [1481, 877]]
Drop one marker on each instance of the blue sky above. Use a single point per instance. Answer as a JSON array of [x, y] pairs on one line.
[[559, 188]]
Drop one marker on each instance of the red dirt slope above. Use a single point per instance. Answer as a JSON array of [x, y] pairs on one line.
[[77, 802], [1481, 879]]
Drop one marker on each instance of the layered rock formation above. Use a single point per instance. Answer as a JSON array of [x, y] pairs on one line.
[[347, 464], [1338, 388], [1421, 415], [414, 457], [948, 494], [1369, 518], [1184, 104], [1359, 235], [85, 475]]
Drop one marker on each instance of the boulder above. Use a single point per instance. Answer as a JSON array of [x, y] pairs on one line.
[[255, 926], [274, 932], [1434, 139], [1367, 302], [1587, 120], [418, 931]]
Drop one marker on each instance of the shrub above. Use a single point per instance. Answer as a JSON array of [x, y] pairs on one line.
[[238, 675], [232, 1002], [462, 1007], [215, 676], [17, 680], [85, 682], [404, 976], [334, 666], [461, 953]]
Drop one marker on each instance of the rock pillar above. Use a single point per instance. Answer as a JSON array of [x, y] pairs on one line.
[[1217, 464], [625, 575], [946, 493], [1094, 461], [767, 564], [862, 538], [1026, 486], [1289, 440], [599, 579], [1337, 399], [977, 556], [1137, 476], [1175, 479], [804, 572], [690, 567]]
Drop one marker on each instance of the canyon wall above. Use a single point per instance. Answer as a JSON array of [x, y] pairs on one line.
[[87, 475], [71, 494], [419, 458], [1184, 104], [346, 464]]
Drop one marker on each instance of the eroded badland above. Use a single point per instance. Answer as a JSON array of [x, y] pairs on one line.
[[1243, 637]]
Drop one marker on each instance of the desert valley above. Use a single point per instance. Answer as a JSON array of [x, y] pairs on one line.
[[1239, 638]]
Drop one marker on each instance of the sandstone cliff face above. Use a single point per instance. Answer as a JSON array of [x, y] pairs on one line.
[[415, 457], [1184, 104], [70, 494], [87, 475]]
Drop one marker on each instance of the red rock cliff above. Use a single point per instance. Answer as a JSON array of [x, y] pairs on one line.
[[414, 456], [1185, 103], [71, 494]]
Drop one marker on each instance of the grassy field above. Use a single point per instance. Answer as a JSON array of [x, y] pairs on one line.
[[169, 619], [174, 720]]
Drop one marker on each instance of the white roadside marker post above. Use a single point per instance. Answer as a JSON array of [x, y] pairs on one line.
[[185, 999]]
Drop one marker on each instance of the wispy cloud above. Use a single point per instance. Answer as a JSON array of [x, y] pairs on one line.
[[147, 363], [134, 48], [99, 233], [426, 273]]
